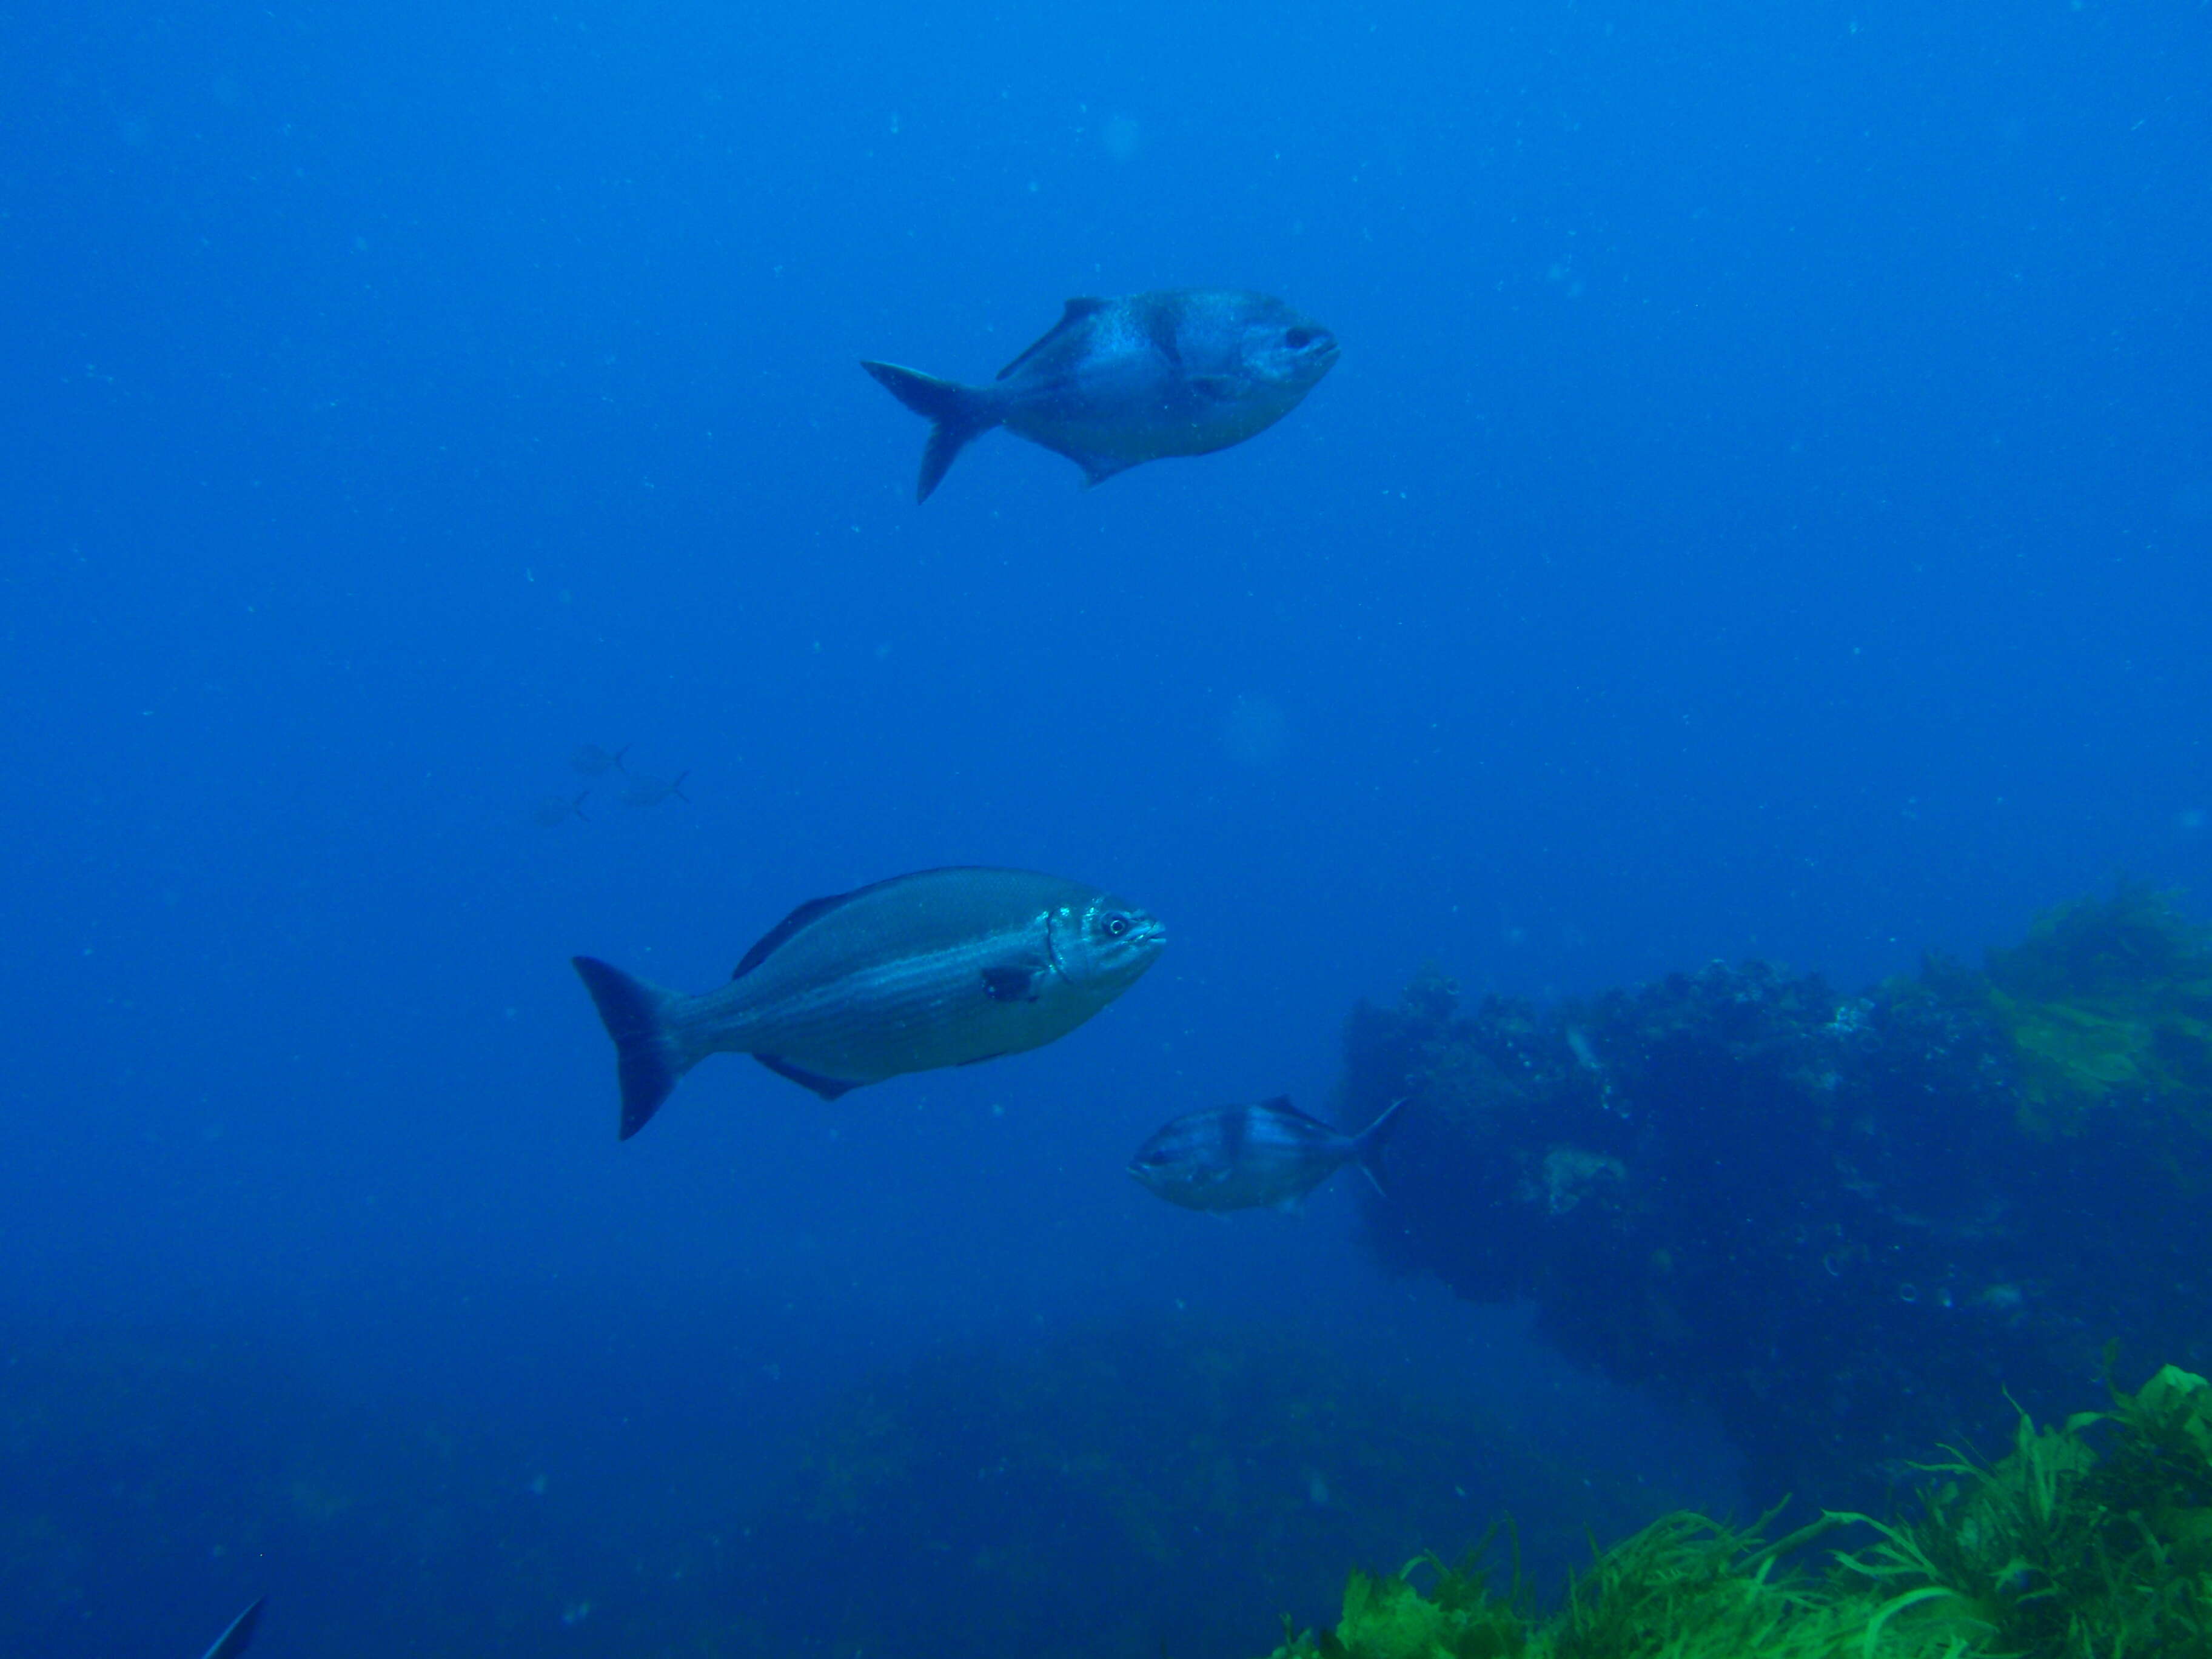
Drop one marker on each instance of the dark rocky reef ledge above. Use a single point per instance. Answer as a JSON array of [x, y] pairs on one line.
[[1847, 1226]]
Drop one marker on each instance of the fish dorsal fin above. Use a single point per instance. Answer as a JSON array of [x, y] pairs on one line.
[[1281, 1106], [813, 909], [232, 1641], [1076, 310]]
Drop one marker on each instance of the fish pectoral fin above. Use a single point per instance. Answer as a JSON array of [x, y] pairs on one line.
[[1216, 388], [1291, 1206], [828, 1087], [1011, 984]]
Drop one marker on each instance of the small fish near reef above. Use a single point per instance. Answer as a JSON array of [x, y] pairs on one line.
[[940, 968], [1240, 1157], [1117, 382]]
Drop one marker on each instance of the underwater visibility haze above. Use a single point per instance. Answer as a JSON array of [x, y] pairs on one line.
[[1661, 623]]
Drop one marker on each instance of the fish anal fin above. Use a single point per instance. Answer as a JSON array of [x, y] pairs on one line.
[[980, 1058], [1076, 311], [1096, 469], [828, 1087]]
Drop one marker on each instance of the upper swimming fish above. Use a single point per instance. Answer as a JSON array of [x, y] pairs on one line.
[[1238, 1158], [1116, 382], [941, 968]]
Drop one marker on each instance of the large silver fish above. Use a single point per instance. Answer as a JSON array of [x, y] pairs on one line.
[[1238, 1158], [942, 967], [1116, 382]]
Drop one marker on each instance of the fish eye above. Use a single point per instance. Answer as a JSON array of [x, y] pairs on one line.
[[1298, 338], [1116, 926]]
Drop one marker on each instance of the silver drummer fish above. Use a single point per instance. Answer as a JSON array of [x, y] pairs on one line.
[[940, 968], [1238, 1158], [1117, 382]]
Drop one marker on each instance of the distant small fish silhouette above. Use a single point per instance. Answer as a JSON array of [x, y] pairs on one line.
[[643, 791], [556, 810], [594, 761]]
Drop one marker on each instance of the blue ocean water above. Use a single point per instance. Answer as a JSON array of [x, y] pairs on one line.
[[1762, 509]]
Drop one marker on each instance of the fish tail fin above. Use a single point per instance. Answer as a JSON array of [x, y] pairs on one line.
[[1367, 1146], [649, 1058], [577, 804], [676, 788], [957, 414], [619, 753]]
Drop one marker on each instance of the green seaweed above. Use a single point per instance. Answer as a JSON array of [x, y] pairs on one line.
[[2057, 1550], [2091, 1540], [1390, 1618], [2108, 1003]]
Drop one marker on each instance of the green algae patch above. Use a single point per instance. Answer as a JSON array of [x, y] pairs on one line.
[[2089, 1540], [2064, 1550], [2108, 1004], [1390, 1619]]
